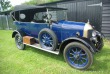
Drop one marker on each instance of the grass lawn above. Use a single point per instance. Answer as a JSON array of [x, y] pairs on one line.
[[34, 61]]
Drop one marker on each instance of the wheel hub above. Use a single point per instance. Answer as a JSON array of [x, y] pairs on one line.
[[77, 56], [19, 41], [46, 40]]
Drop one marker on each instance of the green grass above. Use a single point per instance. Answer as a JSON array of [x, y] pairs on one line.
[[34, 61]]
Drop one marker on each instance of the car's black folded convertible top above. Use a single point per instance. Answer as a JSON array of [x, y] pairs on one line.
[[36, 8], [30, 10]]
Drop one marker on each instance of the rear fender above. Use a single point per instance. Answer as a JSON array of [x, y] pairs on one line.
[[18, 32]]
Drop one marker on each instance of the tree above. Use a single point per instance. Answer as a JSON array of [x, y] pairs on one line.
[[34, 2], [31, 2], [5, 5]]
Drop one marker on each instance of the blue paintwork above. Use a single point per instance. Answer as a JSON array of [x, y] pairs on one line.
[[77, 57], [66, 29], [31, 29], [62, 29]]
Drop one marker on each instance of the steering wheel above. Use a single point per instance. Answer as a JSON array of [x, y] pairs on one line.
[[50, 16], [46, 18]]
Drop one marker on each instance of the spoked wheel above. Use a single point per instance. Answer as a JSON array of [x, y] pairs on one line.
[[19, 42], [78, 56], [47, 39]]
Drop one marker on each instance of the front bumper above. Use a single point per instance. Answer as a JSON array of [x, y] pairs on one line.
[[98, 41]]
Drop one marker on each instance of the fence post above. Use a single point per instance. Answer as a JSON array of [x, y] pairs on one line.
[[7, 22]]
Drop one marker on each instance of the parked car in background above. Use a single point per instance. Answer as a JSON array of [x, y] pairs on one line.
[[48, 29]]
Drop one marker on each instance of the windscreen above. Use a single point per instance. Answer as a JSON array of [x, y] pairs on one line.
[[54, 15], [58, 15]]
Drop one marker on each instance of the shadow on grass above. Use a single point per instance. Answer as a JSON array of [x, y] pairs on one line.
[[41, 52], [98, 65], [101, 61]]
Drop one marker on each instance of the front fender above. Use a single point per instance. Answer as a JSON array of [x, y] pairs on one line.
[[84, 41], [17, 32]]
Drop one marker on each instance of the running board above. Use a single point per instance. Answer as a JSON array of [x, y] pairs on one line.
[[38, 47]]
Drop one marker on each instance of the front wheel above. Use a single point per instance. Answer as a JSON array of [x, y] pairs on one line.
[[78, 56], [19, 42]]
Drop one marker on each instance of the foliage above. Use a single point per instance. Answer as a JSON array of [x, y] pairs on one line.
[[34, 61], [5, 5], [31, 2], [34, 2], [12, 7]]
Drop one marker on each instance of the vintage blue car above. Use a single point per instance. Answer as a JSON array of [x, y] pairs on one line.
[[47, 28]]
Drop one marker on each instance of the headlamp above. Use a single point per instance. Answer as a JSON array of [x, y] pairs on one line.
[[94, 33]]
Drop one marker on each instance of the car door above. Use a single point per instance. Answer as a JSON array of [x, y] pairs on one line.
[[35, 28]]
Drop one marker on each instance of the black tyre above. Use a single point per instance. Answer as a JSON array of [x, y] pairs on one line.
[[48, 39], [78, 56], [19, 42]]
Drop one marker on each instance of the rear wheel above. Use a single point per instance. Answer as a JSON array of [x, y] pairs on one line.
[[48, 39], [78, 56], [19, 42]]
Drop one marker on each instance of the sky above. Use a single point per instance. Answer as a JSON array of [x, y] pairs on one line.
[[17, 2]]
